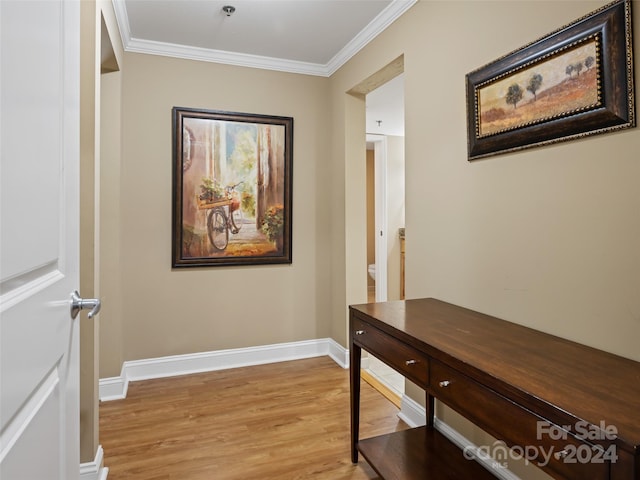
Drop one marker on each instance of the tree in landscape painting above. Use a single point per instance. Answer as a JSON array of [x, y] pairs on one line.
[[589, 62], [534, 84], [559, 85], [569, 70], [578, 67], [514, 95]]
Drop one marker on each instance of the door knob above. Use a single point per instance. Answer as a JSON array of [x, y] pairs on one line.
[[78, 303]]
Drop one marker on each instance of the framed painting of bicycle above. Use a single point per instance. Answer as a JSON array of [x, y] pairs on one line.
[[231, 188]]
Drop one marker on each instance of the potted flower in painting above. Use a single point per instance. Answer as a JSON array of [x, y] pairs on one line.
[[210, 190], [273, 225]]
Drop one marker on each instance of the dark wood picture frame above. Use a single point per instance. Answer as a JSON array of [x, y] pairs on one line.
[[574, 82], [232, 188]]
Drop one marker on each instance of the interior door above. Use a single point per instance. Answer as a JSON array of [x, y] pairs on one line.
[[39, 160]]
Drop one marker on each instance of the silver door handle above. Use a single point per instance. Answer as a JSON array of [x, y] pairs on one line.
[[78, 303]]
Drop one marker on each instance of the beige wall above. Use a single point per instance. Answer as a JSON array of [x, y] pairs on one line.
[[546, 237], [111, 206], [543, 237], [100, 44], [89, 108], [159, 311], [395, 212]]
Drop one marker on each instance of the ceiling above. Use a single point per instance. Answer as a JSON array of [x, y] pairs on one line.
[[385, 108], [312, 37]]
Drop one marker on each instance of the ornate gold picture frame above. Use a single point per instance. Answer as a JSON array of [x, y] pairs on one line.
[[574, 82]]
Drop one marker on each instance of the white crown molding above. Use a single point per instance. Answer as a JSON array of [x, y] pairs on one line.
[[220, 56], [115, 388], [385, 18], [372, 30], [122, 19]]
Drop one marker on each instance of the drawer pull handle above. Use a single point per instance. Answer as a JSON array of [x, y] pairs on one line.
[[562, 454], [444, 383], [359, 332], [410, 362]]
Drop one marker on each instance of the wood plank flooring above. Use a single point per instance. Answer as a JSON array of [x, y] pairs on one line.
[[282, 421]]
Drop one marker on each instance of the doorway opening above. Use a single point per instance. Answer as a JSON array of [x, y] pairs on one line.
[[385, 213]]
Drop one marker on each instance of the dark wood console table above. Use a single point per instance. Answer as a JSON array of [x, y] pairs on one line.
[[573, 410]]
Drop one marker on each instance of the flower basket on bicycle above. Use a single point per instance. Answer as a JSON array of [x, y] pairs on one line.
[[220, 221]]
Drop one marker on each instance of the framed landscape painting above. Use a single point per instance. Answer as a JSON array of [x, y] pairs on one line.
[[231, 188], [574, 82]]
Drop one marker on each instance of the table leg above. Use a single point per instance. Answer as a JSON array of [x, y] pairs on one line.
[[355, 355], [430, 409]]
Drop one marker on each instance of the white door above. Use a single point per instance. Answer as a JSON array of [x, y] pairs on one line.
[[39, 160]]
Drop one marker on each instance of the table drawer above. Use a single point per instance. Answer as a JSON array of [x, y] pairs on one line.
[[405, 359], [548, 446]]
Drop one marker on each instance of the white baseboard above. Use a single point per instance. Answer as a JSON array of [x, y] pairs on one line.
[[338, 353], [411, 412], [94, 470], [115, 388], [414, 415]]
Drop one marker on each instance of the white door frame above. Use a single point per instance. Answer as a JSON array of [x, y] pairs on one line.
[[380, 161]]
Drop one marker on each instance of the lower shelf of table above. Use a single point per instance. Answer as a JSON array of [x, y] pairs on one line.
[[419, 453]]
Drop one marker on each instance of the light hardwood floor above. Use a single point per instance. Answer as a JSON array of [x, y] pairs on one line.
[[285, 421]]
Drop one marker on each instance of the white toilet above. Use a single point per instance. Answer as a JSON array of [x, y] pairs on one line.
[[372, 270]]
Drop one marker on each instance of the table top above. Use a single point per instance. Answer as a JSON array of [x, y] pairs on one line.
[[543, 371]]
